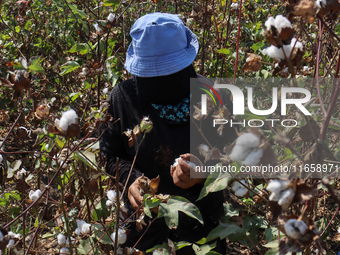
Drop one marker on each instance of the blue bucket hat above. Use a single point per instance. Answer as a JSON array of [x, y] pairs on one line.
[[161, 45]]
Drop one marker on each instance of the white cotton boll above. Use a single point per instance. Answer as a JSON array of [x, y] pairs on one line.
[[61, 239], [64, 250], [239, 153], [254, 157], [176, 162], [111, 17], [105, 91], [301, 225], [85, 70], [290, 229], [34, 195], [281, 22], [83, 227], [273, 52], [236, 185], [298, 44], [248, 140], [109, 203], [1, 158], [285, 70], [97, 27], [20, 173], [235, 6], [77, 231], [275, 196], [190, 21], [276, 186], [241, 192], [111, 195], [287, 197], [13, 235], [69, 117], [203, 149], [122, 237], [270, 22], [10, 244], [305, 68]]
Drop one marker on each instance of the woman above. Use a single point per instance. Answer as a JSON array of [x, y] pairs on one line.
[[160, 59]]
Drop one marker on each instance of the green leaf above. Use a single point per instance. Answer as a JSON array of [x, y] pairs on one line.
[[111, 2], [35, 66], [85, 246], [150, 203], [272, 244], [82, 48], [224, 51], [101, 211], [204, 249], [98, 231], [216, 181], [222, 230], [181, 244], [182, 204], [170, 215], [256, 46], [68, 67], [229, 210], [78, 13]]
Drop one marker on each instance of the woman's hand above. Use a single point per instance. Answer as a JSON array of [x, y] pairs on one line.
[[181, 174], [134, 195]]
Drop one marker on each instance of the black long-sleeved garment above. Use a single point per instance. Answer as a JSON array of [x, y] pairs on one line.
[[167, 141]]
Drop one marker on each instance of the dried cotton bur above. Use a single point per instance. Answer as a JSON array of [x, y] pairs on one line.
[[253, 63]]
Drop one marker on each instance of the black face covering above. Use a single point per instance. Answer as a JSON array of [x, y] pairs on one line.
[[170, 89]]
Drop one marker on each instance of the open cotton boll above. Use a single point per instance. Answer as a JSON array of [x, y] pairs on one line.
[[83, 227], [111, 194], [122, 237], [270, 22], [281, 22], [10, 244], [64, 250], [34, 195], [105, 91], [290, 229], [97, 27], [13, 235], [320, 3], [20, 173], [275, 196], [61, 239], [286, 197], [69, 117], [111, 17], [301, 225], [203, 149], [254, 157], [239, 153], [234, 6], [241, 192], [276, 186], [248, 140]]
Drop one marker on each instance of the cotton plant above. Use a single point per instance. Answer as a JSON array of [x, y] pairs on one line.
[[247, 149], [82, 227], [239, 189], [122, 237], [281, 192]]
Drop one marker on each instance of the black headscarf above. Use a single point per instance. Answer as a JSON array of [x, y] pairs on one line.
[[169, 89]]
